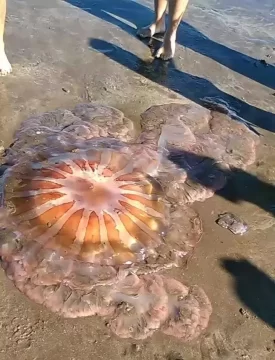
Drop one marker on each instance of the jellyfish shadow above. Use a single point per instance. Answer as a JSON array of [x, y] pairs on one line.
[[255, 289], [192, 87], [188, 36]]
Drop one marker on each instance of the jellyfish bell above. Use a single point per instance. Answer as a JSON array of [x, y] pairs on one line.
[[96, 205]]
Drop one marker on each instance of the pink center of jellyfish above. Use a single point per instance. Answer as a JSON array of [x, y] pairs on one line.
[[94, 205]]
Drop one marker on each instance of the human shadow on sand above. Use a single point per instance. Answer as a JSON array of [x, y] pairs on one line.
[[119, 12], [192, 87], [240, 186], [255, 289]]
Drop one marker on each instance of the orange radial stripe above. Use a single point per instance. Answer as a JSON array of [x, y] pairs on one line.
[[81, 163], [107, 173], [150, 221], [92, 241], [39, 184], [93, 164], [64, 167], [154, 204], [134, 176], [122, 253], [135, 231], [50, 217], [50, 173], [41, 199], [27, 203], [67, 234], [113, 234]]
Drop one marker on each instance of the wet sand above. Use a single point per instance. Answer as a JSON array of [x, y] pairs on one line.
[[67, 52]]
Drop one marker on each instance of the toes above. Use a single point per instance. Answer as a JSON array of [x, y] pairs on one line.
[[164, 54], [159, 53], [5, 66], [5, 71], [166, 57]]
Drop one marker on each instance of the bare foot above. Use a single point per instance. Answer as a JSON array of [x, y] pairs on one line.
[[151, 30], [5, 66], [167, 51]]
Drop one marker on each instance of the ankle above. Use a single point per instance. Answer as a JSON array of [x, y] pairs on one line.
[[170, 35], [160, 22]]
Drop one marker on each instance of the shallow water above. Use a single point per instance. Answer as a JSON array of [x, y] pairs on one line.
[[215, 36]]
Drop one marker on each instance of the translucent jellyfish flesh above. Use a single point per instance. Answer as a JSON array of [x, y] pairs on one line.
[[92, 211], [160, 302], [203, 144]]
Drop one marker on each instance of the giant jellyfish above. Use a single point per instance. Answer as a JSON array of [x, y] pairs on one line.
[[94, 213]]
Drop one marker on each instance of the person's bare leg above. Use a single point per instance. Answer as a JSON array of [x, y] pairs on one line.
[[5, 66], [176, 11], [158, 26]]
